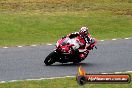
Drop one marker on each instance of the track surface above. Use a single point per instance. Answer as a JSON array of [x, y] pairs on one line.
[[27, 62]]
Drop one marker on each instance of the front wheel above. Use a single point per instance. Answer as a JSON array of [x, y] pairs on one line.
[[50, 59]]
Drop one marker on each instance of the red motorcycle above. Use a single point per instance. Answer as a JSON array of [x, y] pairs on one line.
[[65, 52]]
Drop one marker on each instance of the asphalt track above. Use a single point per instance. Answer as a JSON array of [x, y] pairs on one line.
[[27, 62]]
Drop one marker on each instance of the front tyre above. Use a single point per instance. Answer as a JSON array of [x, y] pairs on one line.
[[51, 58]]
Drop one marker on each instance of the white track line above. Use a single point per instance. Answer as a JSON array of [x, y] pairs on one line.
[[101, 40], [33, 45], [118, 72], [3, 82], [5, 47], [20, 46], [114, 39], [70, 76], [13, 81], [126, 38], [38, 79], [32, 79], [104, 73], [49, 44], [129, 71], [58, 77]]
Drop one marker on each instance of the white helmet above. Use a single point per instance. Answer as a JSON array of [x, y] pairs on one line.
[[83, 31]]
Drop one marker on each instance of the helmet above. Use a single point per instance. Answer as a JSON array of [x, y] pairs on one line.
[[83, 31]]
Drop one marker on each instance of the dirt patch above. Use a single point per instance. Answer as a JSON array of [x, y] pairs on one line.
[[128, 13]]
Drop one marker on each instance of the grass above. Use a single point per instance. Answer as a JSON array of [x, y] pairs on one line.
[[60, 83], [25, 22]]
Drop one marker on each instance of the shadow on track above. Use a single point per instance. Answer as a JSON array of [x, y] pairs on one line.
[[72, 65]]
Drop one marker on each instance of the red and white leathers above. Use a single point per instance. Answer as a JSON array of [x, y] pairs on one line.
[[83, 41]]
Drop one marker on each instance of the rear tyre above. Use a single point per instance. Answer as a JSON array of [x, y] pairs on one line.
[[50, 59]]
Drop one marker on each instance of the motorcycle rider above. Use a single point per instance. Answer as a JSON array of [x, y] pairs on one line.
[[84, 38], [83, 41]]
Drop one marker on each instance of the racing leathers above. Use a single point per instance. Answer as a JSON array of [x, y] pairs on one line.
[[84, 41]]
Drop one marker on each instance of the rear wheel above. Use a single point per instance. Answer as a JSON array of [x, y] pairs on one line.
[[51, 58]]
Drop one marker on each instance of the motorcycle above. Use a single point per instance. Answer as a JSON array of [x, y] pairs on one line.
[[66, 51]]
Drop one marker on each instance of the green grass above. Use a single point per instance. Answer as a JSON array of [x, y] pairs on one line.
[[60, 83], [23, 23]]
